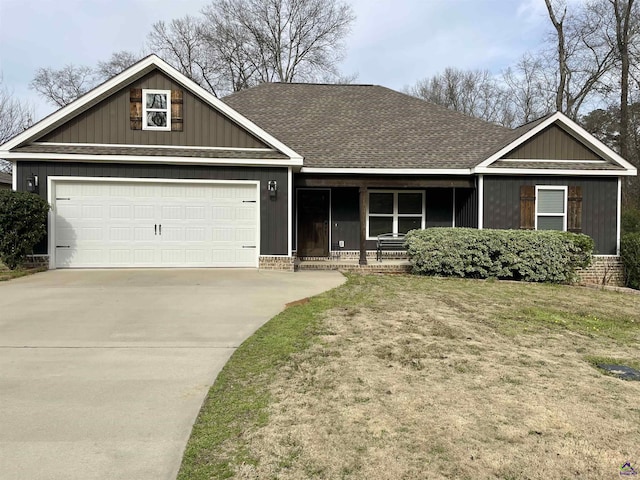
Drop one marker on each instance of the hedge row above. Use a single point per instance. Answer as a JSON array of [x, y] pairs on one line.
[[630, 254], [23, 223], [533, 256]]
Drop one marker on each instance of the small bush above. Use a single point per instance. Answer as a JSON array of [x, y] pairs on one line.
[[630, 254], [631, 220], [23, 223], [541, 256]]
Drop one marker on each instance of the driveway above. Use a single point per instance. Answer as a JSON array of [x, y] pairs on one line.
[[102, 372]]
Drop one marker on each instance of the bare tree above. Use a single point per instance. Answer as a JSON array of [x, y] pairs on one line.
[[61, 87], [183, 44], [15, 117], [624, 36], [583, 56], [118, 62], [528, 89], [473, 92], [281, 40]]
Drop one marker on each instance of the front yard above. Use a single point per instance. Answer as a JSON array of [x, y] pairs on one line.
[[409, 378]]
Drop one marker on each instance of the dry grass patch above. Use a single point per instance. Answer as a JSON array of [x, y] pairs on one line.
[[414, 378]]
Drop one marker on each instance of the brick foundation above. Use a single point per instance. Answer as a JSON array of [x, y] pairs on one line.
[[276, 263], [35, 261], [605, 270]]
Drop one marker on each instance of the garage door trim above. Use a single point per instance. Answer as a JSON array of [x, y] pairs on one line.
[[51, 197]]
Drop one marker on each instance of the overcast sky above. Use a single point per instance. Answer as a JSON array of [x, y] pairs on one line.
[[393, 42]]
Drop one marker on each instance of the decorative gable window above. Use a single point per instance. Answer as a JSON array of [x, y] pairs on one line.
[[551, 207], [394, 212], [156, 109]]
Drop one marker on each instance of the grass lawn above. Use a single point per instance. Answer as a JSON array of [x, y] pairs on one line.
[[11, 274], [402, 377]]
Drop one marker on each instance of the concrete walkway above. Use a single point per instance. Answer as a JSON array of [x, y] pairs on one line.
[[102, 372]]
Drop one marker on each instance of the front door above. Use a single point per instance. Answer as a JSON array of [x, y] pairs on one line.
[[313, 223]]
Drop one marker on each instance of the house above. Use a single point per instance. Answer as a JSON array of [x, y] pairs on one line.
[[150, 170], [5, 181]]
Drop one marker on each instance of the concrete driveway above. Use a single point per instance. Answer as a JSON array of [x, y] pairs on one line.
[[102, 372]]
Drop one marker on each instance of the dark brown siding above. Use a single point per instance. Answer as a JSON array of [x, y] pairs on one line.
[[466, 207], [108, 122], [553, 143], [273, 213], [599, 205]]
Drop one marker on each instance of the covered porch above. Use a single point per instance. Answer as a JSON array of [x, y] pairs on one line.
[[337, 218]]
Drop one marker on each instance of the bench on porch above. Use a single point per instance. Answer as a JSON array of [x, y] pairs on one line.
[[389, 242]]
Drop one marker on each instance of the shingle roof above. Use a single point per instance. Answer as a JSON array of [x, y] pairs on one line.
[[556, 165], [6, 178], [259, 154], [367, 126]]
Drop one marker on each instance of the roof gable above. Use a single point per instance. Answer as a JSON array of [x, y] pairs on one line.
[[554, 144], [121, 81], [107, 122]]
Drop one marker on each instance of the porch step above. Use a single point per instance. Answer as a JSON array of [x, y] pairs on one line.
[[386, 266]]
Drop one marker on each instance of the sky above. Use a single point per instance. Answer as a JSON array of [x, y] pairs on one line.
[[393, 43]]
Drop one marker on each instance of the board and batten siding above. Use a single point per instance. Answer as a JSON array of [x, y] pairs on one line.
[[466, 207], [108, 122], [599, 205], [551, 144], [273, 212]]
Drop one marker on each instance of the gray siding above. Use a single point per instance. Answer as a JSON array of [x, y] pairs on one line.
[[553, 143], [599, 205], [467, 207], [108, 122], [273, 213]]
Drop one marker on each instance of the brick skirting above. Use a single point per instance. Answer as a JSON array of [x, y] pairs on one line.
[[276, 263], [605, 270]]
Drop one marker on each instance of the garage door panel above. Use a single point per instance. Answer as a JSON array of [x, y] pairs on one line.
[[195, 234], [120, 225], [120, 256]]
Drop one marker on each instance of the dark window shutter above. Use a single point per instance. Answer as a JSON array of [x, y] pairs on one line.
[[527, 207], [135, 108], [176, 111], [574, 219]]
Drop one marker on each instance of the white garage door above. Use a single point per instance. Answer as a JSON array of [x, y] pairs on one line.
[[123, 224]]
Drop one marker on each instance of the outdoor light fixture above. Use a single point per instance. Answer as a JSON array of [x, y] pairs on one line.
[[32, 184], [272, 187]]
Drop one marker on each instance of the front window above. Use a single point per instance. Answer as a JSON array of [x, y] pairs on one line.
[[551, 208], [394, 212], [156, 109]]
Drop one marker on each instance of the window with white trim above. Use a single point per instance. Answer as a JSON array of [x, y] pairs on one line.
[[394, 212], [551, 208], [156, 109]]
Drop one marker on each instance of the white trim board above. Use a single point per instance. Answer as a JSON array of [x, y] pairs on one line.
[[121, 80], [66, 157], [52, 181]]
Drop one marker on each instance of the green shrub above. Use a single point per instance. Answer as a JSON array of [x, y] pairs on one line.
[[533, 256], [23, 223], [630, 220], [630, 254]]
